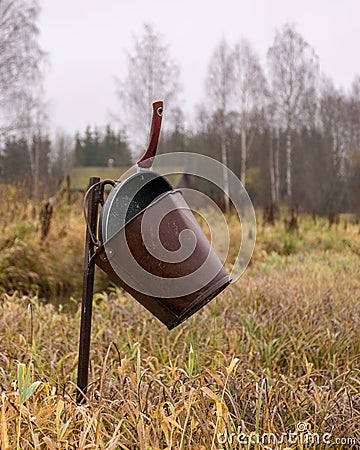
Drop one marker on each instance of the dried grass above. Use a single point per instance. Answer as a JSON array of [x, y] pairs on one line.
[[279, 349]]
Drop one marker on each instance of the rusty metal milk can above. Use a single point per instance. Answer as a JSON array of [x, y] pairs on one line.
[[152, 245]]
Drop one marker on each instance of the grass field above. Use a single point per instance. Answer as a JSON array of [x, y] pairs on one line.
[[272, 363], [79, 176]]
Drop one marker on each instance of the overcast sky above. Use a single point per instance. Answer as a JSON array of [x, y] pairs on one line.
[[86, 41]]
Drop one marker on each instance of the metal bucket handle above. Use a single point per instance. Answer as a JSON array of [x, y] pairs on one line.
[[145, 162]]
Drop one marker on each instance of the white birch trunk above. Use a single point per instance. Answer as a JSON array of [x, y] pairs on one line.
[[272, 168], [243, 151], [225, 173], [277, 168], [288, 166]]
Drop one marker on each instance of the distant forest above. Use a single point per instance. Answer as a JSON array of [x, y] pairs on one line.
[[287, 132]]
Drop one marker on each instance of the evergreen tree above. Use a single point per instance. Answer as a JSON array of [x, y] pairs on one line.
[[96, 148], [15, 160]]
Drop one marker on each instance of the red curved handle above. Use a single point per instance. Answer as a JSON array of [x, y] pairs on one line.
[[147, 159]]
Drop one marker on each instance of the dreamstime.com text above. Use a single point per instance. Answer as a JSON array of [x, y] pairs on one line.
[[302, 435]]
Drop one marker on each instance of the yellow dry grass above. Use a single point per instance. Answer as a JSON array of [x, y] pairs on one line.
[[277, 353]]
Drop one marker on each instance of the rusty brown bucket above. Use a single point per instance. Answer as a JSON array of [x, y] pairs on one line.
[[155, 249], [153, 246]]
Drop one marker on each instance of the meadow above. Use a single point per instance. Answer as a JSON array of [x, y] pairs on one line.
[[271, 363]]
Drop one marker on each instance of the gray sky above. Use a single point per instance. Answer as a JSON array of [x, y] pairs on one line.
[[86, 41]]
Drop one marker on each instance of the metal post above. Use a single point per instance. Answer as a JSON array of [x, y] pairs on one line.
[[94, 198]]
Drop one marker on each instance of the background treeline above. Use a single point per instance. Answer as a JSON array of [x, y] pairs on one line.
[[280, 124], [53, 159], [96, 148]]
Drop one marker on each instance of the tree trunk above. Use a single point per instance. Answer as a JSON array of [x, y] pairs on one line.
[[36, 174], [272, 167], [33, 149], [277, 168], [288, 167], [243, 151], [225, 173]]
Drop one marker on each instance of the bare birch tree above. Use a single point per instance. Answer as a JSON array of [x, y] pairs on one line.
[[62, 152], [249, 90], [334, 115], [20, 57], [151, 75], [220, 89], [293, 67], [32, 115], [354, 116]]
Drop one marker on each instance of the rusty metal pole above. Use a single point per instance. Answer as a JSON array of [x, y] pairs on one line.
[[94, 198]]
